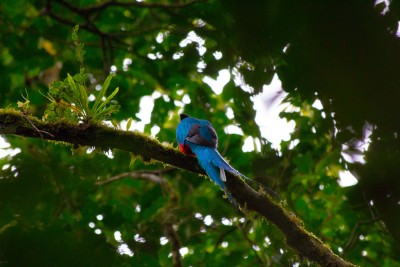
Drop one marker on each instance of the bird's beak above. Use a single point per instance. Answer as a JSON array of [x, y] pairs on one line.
[[184, 116]]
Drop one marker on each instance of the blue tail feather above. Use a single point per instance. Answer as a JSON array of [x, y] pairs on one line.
[[211, 161]]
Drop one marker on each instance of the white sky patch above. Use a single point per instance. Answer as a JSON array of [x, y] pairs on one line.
[[317, 104], [294, 143], [356, 154], [353, 157], [346, 178], [161, 36], [163, 240], [91, 98], [118, 236], [155, 130], [238, 79], [251, 144], [217, 85], [146, 107], [201, 65], [155, 56], [367, 131], [386, 9], [186, 99], [192, 37], [179, 103], [109, 154], [229, 113], [226, 222], [156, 94], [5, 149], [123, 249], [398, 29], [364, 253], [217, 55], [138, 208], [233, 129], [208, 220], [139, 239], [183, 251], [268, 106], [126, 63], [6, 166], [177, 55], [267, 241], [113, 69], [167, 99], [199, 23]]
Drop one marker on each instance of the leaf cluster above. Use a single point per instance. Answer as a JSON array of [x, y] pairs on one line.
[[69, 99]]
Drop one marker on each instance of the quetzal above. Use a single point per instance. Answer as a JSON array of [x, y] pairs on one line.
[[198, 137]]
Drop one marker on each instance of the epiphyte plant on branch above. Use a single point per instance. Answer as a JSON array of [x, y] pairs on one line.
[[198, 138], [69, 99]]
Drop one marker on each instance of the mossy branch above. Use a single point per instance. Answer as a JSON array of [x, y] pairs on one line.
[[304, 242]]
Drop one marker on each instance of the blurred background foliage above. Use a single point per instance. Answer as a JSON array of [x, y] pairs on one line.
[[57, 207]]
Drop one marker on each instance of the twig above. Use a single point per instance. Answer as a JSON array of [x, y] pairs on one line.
[[352, 238], [36, 129], [175, 244], [221, 237], [142, 175], [101, 7], [260, 261]]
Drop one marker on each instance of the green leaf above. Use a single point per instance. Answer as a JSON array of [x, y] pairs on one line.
[[129, 123], [102, 93], [108, 99]]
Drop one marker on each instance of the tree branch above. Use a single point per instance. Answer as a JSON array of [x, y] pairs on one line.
[[110, 3], [304, 242]]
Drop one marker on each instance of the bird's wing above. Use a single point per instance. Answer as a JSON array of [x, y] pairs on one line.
[[203, 135]]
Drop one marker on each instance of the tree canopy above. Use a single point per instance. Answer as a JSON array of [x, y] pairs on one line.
[[79, 187]]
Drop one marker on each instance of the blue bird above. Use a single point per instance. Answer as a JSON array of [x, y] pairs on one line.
[[198, 138]]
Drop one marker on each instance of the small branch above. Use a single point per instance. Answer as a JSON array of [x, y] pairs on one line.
[[151, 150], [350, 243], [175, 244], [168, 215], [110, 3], [223, 235], [151, 175], [146, 176], [36, 129], [247, 238]]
